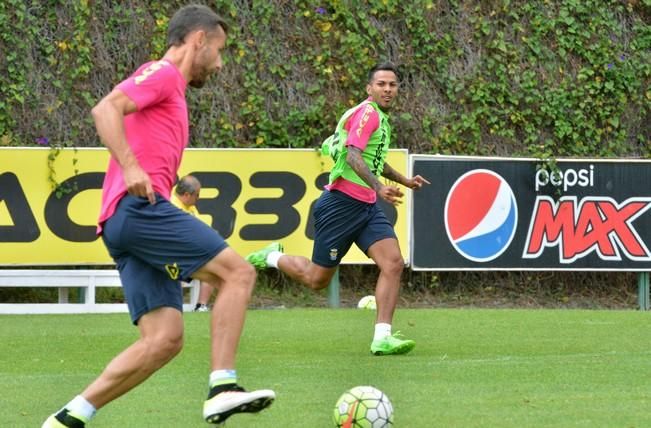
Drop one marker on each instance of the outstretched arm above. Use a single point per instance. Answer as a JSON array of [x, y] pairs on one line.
[[415, 182]]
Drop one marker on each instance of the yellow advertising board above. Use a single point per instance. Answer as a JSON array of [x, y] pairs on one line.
[[251, 196]]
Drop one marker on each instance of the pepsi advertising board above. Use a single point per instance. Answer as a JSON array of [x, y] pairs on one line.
[[511, 214]]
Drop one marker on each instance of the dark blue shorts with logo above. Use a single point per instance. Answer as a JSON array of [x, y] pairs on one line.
[[340, 221], [155, 247]]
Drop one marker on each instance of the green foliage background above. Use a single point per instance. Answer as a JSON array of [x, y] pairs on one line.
[[497, 77]]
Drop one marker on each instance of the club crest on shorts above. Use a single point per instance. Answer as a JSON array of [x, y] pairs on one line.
[[333, 254], [173, 271]]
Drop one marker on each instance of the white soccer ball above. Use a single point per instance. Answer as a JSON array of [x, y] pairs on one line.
[[363, 407], [367, 302]]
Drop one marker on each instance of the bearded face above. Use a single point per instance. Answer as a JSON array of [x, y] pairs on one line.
[[208, 59]]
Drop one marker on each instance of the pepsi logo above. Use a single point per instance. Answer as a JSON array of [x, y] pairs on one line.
[[481, 215]]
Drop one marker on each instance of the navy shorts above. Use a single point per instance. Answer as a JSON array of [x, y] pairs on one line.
[[340, 220], [155, 247]]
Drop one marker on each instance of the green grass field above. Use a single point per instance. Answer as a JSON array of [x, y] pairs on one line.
[[470, 368]]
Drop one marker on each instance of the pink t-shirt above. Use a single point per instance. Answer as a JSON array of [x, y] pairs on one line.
[[157, 133], [361, 125]]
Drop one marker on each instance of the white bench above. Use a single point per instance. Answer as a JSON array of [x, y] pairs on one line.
[[86, 279]]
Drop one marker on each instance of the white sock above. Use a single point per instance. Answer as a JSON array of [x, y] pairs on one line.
[[272, 258], [221, 377], [80, 407], [382, 330]]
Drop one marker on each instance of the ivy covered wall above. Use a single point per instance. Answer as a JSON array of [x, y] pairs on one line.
[[493, 77]]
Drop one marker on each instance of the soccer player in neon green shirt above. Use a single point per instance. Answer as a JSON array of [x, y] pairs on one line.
[[347, 211]]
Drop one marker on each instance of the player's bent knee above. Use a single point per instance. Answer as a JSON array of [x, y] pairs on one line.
[[394, 267], [318, 284], [246, 274], [165, 348], [319, 280], [241, 278]]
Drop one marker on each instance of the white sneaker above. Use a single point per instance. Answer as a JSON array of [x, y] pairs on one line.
[[201, 308], [68, 419], [236, 400], [52, 422]]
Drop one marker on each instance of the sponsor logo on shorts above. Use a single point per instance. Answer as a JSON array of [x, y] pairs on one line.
[[173, 271], [333, 254]]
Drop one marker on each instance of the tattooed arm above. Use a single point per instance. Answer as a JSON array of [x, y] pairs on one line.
[[354, 159], [415, 182], [391, 194]]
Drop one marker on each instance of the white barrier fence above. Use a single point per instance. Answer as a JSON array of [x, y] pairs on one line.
[[86, 279]]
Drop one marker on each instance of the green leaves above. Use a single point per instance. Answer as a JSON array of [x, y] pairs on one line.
[[532, 78], [572, 104]]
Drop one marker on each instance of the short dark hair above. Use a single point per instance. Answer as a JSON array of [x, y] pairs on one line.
[[386, 66], [191, 18], [187, 184]]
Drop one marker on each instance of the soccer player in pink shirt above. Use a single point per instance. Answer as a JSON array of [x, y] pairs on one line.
[[144, 124]]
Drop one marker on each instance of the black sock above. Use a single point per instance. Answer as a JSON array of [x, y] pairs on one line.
[[223, 387]]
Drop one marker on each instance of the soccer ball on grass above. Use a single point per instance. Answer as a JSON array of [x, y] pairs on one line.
[[363, 407], [367, 302]]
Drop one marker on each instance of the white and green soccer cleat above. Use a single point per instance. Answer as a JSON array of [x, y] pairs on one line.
[[392, 345], [63, 419], [236, 400], [259, 258]]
